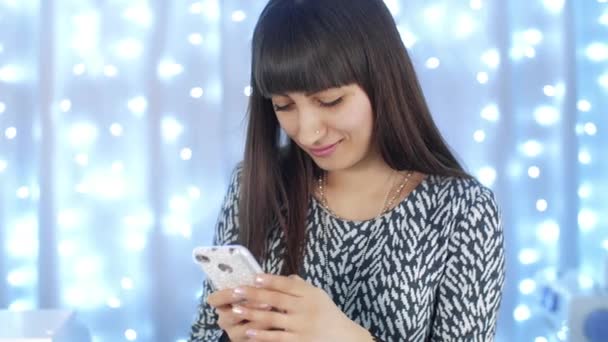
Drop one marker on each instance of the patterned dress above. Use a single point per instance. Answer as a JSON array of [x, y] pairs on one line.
[[430, 269]]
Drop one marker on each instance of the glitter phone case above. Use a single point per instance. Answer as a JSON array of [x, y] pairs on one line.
[[227, 267]]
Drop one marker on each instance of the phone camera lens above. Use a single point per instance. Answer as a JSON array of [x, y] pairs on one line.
[[202, 258], [225, 268]]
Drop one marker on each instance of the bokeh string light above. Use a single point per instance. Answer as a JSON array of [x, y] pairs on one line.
[[147, 114]]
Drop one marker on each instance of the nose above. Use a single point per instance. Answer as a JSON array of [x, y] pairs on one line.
[[312, 128]]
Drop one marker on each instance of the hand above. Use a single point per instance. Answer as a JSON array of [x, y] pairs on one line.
[[303, 313], [234, 325]]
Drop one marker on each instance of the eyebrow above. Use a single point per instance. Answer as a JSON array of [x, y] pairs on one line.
[[307, 93]]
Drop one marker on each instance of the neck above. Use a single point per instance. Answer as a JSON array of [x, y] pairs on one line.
[[370, 176]]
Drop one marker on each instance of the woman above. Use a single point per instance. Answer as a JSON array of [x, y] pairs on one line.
[[366, 225]]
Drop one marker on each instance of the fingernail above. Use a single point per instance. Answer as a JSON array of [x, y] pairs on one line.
[[237, 310], [259, 280], [238, 293], [264, 306], [251, 332]]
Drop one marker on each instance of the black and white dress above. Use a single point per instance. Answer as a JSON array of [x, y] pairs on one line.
[[430, 269]]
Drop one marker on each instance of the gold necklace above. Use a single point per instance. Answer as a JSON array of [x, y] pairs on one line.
[[325, 227]]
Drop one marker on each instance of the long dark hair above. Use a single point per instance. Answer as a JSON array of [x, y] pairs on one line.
[[312, 45]]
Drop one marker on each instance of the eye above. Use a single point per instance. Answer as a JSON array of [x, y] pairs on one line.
[[331, 104], [278, 108]]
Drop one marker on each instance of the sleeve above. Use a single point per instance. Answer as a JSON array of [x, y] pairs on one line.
[[205, 328], [470, 291]]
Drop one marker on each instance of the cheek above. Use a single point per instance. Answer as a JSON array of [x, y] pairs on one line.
[[357, 123], [289, 125]]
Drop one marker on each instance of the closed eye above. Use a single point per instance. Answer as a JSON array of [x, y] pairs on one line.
[[330, 104]]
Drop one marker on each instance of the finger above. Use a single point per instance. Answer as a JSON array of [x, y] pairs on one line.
[[292, 285], [228, 319], [238, 332], [268, 319], [222, 297], [270, 335], [277, 300]]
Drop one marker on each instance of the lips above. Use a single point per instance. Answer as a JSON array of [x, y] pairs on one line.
[[325, 150]]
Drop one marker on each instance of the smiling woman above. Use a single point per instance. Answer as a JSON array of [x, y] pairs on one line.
[[385, 236]]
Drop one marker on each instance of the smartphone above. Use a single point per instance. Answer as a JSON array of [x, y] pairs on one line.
[[228, 266]]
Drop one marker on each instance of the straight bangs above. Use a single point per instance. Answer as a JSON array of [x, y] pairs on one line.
[[296, 49]]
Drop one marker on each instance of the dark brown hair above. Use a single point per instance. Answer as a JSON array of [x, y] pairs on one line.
[[312, 45]]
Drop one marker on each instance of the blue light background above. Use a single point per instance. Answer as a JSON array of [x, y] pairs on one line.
[[121, 120]]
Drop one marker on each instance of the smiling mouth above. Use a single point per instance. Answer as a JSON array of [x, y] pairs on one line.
[[325, 151]]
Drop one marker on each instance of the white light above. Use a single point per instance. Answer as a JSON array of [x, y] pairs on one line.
[[532, 36], [110, 71], [587, 220], [549, 90], [79, 69], [69, 218], [82, 134], [434, 14], [23, 192], [66, 249], [603, 80], [2, 107], [10, 133], [521, 313], [605, 244], [491, 58], [548, 232], [19, 278], [126, 283], [82, 159], [129, 48], [597, 52], [583, 105], [138, 105], [65, 105], [479, 135], [179, 204], [21, 305], [546, 115], [140, 15], [135, 242], [194, 192], [248, 91], [171, 129], [118, 167], [527, 286], [432, 63], [532, 148], [114, 303], [603, 19], [168, 69], [476, 4], [195, 38], [590, 128], [541, 339], [393, 6], [584, 157], [408, 38], [11, 73], [196, 8], [585, 282], [116, 129], [87, 266], [487, 176], [196, 92], [554, 6], [534, 172], [465, 25], [482, 77], [490, 113], [3, 165], [238, 16], [130, 334], [86, 29], [528, 256], [541, 205], [530, 52], [584, 191], [185, 154]]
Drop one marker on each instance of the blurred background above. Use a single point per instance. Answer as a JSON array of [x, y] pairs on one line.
[[120, 122]]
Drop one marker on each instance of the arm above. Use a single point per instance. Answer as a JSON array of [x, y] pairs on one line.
[[205, 328], [470, 291]]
